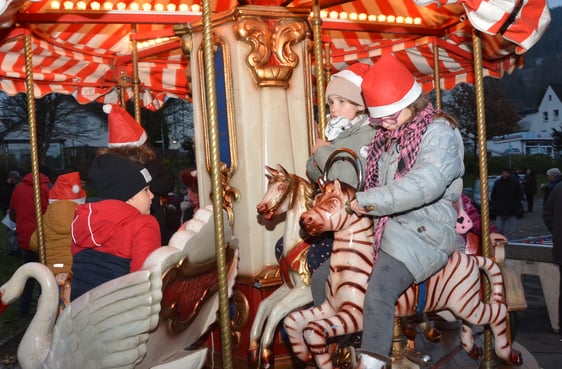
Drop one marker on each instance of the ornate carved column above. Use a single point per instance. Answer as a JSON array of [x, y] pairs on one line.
[[265, 109]]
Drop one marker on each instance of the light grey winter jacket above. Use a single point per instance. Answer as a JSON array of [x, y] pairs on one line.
[[356, 138], [421, 229]]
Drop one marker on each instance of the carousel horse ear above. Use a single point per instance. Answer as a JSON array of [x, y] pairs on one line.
[[282, 169], [337, 185], [270, 170]]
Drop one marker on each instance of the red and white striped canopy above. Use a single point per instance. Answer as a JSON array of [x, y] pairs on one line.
[[87, 54]]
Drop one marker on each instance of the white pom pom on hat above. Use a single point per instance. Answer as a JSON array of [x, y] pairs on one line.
[[124, 130], [68, 187]]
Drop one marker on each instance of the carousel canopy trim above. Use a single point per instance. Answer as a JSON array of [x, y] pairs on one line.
[[83, 48]]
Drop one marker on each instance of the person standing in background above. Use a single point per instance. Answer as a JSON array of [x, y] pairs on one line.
[[530, 188], [506, 199], [190, 201], [65, 195], [554, 177], [552, 216], [6, 190], [22, 211]]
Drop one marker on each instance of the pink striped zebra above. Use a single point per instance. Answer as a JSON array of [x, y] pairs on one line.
[[455, 288]]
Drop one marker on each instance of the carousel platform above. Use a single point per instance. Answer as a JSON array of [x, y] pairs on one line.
[[539, 345], [447, 354]]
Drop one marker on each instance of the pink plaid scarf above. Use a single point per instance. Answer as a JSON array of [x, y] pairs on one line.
[[408, 139]]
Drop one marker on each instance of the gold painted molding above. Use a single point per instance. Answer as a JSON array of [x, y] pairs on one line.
[[271, 58]]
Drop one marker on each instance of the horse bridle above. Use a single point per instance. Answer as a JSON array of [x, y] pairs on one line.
[[351, 157]]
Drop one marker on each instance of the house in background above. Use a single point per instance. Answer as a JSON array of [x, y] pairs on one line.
[[535, 136]]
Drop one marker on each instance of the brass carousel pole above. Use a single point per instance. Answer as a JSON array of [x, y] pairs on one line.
[[33, 143], [136, 81], [217, 196], [437, 76], [319, 67], [488, 361]]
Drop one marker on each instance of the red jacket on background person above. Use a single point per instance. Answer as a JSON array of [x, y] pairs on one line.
[[22, 204], [116, 228]]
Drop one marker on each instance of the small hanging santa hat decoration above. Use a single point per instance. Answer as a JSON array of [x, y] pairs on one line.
[[68, 187], [347, 83], [389, 87], [123, 129]]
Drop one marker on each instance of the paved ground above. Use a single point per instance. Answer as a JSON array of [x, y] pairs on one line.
[[534, 331], [533, 327]]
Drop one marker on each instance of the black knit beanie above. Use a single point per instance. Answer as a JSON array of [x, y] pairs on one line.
[[113, 176]]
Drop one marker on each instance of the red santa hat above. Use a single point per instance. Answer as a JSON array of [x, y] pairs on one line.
[[68, 187], [347, 83], [123, 129], [389, 87]]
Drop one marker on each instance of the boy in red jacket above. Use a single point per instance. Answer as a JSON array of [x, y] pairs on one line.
[[113, 236]]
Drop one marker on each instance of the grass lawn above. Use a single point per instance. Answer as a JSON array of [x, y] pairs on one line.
[[10, 321]]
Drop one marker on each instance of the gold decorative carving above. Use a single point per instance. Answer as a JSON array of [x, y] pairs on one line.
[[268, 276], [185, 288], [229, 193], [271, 58], [240, 314]]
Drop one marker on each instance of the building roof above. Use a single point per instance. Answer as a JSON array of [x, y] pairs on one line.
[[557, 88]]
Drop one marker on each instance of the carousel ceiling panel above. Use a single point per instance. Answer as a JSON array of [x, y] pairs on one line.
[[84, 48]]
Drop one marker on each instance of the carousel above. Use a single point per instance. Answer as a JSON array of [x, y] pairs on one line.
[[217, 295]]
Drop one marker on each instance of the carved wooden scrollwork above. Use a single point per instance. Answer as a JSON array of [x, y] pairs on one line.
[[271, 58], [186, 287]]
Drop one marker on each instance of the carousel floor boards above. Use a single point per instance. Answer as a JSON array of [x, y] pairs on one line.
[[449, 354]]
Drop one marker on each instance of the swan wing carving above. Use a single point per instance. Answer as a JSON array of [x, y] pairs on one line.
[[110, 324], [119, 324]]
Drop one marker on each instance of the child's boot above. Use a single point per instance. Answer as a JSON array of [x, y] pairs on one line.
[[370, 360]]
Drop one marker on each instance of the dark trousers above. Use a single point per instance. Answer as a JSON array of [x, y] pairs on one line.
[[389, 279], [26, 297], [530, 201], [560, 303]]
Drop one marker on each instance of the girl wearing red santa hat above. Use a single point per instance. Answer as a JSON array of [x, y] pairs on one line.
[[413, 178]]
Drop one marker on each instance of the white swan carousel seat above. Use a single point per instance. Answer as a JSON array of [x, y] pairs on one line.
[[146, 319]]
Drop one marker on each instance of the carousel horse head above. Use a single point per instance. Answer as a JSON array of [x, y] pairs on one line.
[[284, 190], [328, 213]]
